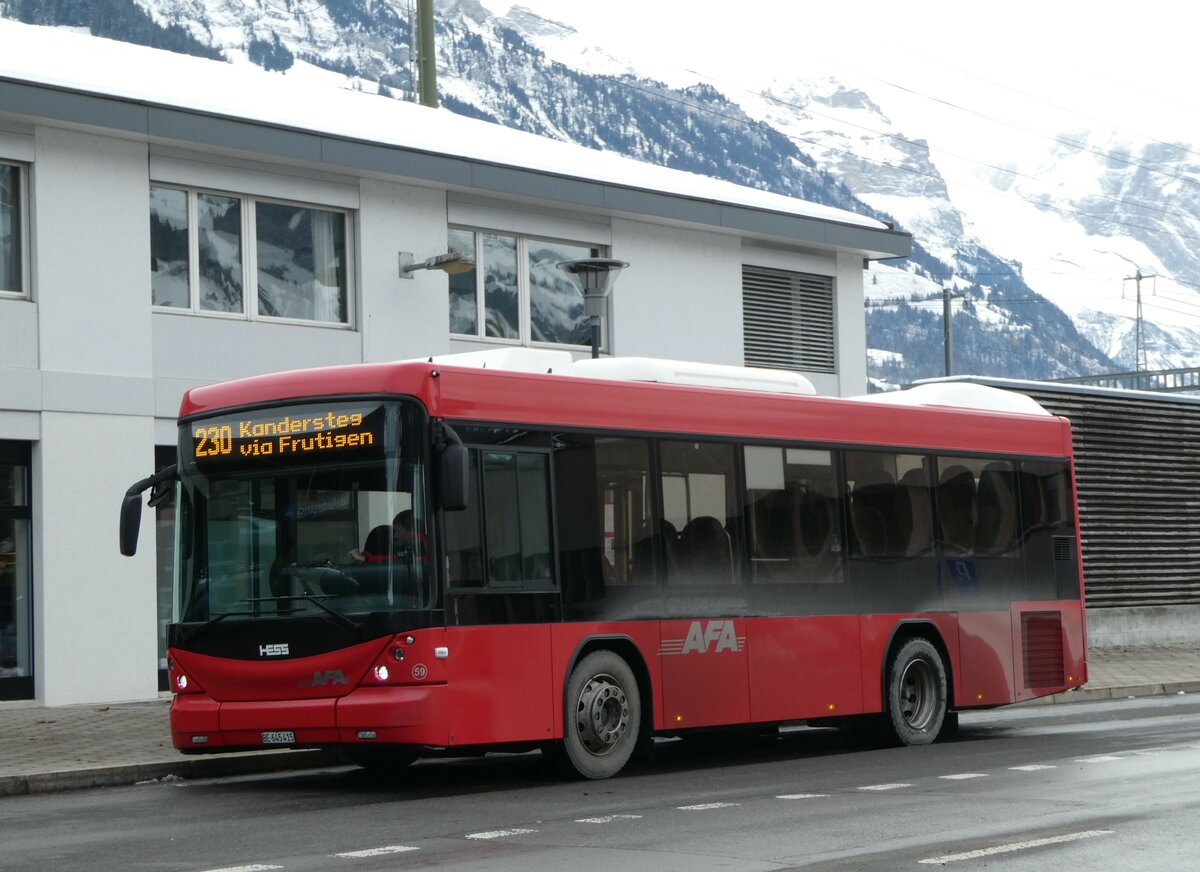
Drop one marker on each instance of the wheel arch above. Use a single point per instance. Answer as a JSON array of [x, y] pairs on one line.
[[627, 649], [916, 628]]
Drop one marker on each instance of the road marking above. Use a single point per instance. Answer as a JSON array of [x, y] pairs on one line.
[[1014, 846], [608, 818], [884, 786], [962, 776], [376, 852], [1099, 759], [1032, 767], [253, 867], [705, 806], [499, 834], [803, 796]]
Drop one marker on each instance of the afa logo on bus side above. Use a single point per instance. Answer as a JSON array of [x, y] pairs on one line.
[[704, 637]]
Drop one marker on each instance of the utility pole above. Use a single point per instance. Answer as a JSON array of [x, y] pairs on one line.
[[947, 295], [426, 57], [1140, 364]]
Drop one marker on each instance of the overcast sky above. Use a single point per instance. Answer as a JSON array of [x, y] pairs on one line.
[[1074, 64]]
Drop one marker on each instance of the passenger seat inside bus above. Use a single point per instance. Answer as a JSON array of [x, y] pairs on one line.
[[707, 551], [956, 509]]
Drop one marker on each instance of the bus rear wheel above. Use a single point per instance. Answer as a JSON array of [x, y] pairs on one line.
[[603, 716], [916, 693]]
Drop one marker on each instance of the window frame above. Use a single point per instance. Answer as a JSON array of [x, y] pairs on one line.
[[249, 243], [22, 229], [524, 336]]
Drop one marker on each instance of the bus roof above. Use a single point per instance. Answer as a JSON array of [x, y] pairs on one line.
[[557, 397]]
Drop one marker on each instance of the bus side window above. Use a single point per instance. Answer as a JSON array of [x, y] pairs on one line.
[[792, 515], [516, 498], [464, 539], [700, 501]]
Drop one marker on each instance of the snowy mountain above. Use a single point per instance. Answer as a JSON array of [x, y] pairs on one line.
[[1023, 237]]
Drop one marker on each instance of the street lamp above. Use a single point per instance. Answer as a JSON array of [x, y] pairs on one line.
[[452, 263], [594, 276]]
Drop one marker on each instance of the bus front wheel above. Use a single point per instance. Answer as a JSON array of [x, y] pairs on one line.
[[916, 692], [603, 716]]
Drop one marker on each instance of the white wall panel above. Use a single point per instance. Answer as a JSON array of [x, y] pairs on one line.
[[402, 317], [681, 296], [94, 610], [91, 250]]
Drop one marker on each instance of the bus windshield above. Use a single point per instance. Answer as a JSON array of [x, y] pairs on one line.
[[313, 510]]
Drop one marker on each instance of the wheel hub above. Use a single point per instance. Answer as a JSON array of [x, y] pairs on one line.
[[602, 715], [918, 694]]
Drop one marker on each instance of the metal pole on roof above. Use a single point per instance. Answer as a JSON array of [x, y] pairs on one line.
[[426, 56]]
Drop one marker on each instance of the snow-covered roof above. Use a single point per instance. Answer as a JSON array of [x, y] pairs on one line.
[[959, 395], [65, 59]]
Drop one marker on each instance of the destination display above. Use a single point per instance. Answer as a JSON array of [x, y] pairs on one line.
[[297, 433]]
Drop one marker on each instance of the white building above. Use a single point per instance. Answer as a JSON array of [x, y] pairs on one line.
[[143, 197]]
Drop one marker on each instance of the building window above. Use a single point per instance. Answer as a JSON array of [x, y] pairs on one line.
[[16, 574], [516, 292], [787, 319], [11, 230], [206, 248]]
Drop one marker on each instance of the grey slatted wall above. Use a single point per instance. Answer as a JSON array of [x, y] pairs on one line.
[[1137, 459]]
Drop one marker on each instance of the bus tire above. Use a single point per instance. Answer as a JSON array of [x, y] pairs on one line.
[[916, 693], [602, 720]]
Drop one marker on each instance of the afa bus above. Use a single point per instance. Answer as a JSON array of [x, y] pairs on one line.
[[417, 558]]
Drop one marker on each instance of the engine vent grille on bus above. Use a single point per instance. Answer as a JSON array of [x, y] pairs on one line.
[[1064, 547], [787, 319], [1042, 643]]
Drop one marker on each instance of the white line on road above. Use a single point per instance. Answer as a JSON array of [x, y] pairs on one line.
[[962, 776], [705, 806], [803, 796], [253, 867], [1032, 767], [884, 786], [499, 834], [608, 818], [376, 852], [1014, 846], [1099, 759]]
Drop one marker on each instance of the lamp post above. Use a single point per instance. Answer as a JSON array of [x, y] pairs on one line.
[[594, 276], [452, 263]]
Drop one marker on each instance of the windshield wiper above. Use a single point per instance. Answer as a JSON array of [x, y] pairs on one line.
[[335, 616], [190, 635]]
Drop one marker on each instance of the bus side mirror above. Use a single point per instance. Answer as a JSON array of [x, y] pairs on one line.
[[453, 477], [131, 520], [131, 506]]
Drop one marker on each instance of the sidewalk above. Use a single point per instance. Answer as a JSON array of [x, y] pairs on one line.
[[44, 749]]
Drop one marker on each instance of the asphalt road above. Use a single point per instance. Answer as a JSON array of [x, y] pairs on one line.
[[1096, 786]]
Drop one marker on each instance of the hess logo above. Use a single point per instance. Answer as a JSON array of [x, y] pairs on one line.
[[276, 649]]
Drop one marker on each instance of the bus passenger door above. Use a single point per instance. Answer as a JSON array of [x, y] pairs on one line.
[[703, 652], [502, 599]]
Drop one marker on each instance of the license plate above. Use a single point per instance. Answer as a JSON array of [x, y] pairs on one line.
[[279, 737]]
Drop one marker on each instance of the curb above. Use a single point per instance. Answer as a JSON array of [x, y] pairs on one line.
[[1138, 691], [193, 768]]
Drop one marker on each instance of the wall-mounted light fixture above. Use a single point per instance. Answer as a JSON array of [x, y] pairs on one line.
[[595, 277], [452, 263]]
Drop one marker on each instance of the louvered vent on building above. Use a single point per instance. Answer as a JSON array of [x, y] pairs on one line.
[[787, 319], [1137, 472], [1042, 645]]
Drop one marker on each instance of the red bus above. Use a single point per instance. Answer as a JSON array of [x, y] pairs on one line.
[[582, 563]]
